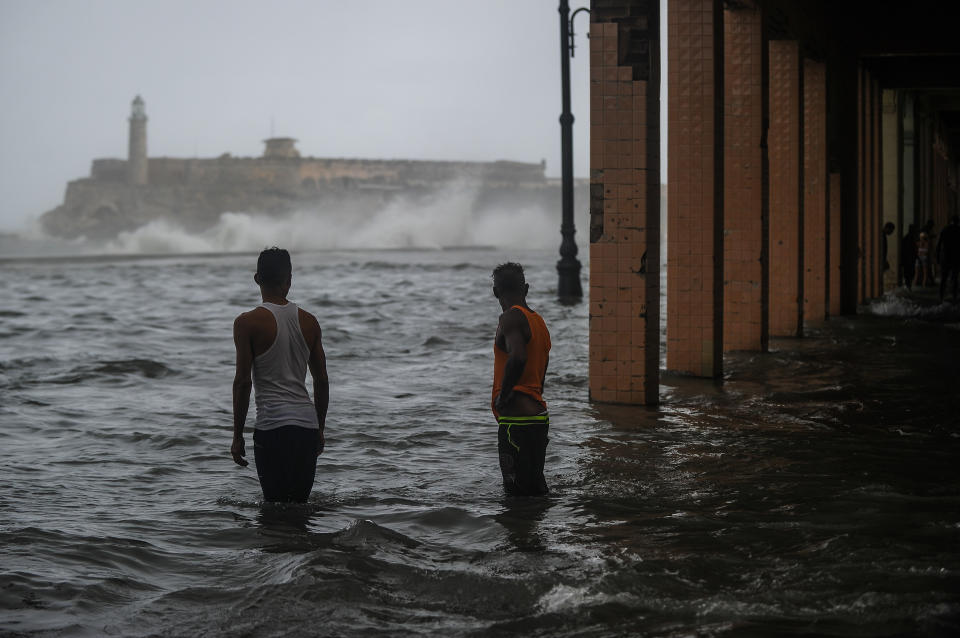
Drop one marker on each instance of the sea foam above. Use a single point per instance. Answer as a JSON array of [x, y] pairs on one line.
[[899, 303], [444, 220]]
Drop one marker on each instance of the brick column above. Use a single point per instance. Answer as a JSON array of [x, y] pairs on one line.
[[834, 213], [814, 192], [785, 154], [862, 185], [624, 205], [877, 226], [695, 180], [869, 231], [891, 179], [744, 242]]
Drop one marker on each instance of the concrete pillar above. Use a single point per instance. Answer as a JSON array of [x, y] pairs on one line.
[[877, 195], [901, 229], [926, 168], [891, 185], [941, 185], [909, 168], [624, 206], [834, 243], [847, 146], [785, 155], [862, 184], [695, 181], [744, 250], [869, 226], [920, 167], [814, 192]]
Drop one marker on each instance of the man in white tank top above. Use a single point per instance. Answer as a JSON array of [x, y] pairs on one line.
[[276, 342]]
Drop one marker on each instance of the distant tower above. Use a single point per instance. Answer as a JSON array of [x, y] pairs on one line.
[[281, 148], [137, 158]]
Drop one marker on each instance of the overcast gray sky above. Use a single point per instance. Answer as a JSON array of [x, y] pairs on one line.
[[421, 79]]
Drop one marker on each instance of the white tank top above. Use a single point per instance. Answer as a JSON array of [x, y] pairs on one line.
[[279, 374]]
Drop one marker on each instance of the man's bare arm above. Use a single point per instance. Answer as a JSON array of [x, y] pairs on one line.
[[543, 381], [241, 387], [321, 384], [512, 323]]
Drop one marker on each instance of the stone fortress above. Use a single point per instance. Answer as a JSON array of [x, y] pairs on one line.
[[122, 195]]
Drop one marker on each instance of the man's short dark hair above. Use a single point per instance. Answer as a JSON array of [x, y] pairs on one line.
[[273, 266], [509, 277]]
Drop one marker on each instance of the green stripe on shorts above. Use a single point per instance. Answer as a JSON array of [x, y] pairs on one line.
[[524, 420]]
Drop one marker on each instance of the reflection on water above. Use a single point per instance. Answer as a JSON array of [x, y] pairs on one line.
[[812, 491], [521, 518]]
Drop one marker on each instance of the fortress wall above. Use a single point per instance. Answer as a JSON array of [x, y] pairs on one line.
[[278, 174], [108, 170], [167, 171], [417, 171], [83, 193], [334, 169], [293, 173], [504, 171], [225, 171], [79, 191]]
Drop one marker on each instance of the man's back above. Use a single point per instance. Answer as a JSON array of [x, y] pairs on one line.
[[533, 330], [280, 370], [276, 343]]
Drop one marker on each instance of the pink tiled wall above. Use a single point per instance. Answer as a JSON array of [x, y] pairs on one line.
[[624, 285], [694, 302], [814, 192], [834, 244], [743, 327], [785, 154]]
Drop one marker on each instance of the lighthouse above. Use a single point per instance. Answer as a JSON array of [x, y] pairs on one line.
[[137, 159]]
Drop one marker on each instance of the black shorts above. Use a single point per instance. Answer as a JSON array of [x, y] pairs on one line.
[[286, 459], [522, 443]]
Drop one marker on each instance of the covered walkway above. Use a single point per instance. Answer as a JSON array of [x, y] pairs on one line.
[[797, 130]]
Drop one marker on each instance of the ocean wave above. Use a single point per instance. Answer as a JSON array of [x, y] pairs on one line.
[[365, 534], [110, 371], [144, 367], [445, 220]]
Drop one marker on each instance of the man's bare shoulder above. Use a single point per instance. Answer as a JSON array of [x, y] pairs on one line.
[[511, 314], [309, 326], [304, 315], [252, 319], [513, 319], [251, 315]]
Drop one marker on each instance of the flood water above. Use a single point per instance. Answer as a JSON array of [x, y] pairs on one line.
[[814, 491]]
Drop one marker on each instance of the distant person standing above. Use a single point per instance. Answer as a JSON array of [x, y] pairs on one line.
[[277, 342], [948, 255], [521, 351], [908, 257], [888, 229]]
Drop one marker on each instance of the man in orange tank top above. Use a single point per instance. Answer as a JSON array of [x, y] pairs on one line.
[[521, 352]]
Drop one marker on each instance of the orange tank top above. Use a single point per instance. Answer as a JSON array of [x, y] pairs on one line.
[[538, 350]]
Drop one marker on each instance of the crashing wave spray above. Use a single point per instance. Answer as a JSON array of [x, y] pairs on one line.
[[446, 218]]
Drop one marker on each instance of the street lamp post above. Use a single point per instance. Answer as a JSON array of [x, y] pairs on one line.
[[568, 268]]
